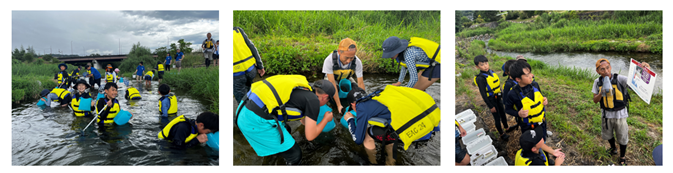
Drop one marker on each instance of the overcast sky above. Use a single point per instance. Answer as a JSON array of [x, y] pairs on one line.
[[102, 31]]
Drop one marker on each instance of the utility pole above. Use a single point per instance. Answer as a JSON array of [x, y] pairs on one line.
[[120, 46], [70, 47]]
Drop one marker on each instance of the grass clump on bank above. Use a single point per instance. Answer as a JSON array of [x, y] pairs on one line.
[[299, 41], [571, 113], [619, 31], [198, 82], [28, 79]]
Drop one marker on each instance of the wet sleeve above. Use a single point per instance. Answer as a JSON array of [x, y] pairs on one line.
[[99, 105], [410, 59], [481, 84], [181, 133], [165, 104], [258, 59], [352, 127], [360, 130]]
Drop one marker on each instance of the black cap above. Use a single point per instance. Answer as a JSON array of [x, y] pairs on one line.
[[44, 92], [326, 86], [82, 81], [355, 94], [530, 138]]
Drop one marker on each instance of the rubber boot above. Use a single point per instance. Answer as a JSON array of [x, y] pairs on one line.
[[389, 159], [371, 154]]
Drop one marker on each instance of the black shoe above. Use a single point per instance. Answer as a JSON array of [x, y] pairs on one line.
[[622, 162], [504, 137], [612, 151], [510, 129]]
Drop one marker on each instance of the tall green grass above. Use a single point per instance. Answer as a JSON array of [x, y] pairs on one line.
[[299, 41], [199, 82]]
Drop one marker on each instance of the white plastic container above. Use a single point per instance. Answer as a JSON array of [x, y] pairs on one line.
[[466, 116], [173, 65], [134, 76], [469, 127], [483, 156], [470, 137], [478, 144], [500, 161]]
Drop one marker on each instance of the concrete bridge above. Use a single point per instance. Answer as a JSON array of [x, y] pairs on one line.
[[84, 59]]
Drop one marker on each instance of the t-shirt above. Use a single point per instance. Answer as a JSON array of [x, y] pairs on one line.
[[217, 49], [168, 59], [178, 56], [96, 74], [327, 65], [140, 69], [306, 101], [613, 114], [180, 131]]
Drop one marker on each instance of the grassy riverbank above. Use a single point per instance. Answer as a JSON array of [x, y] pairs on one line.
[[198, 82], [571, 113], [28, 79], [298, 41], [619, 31]]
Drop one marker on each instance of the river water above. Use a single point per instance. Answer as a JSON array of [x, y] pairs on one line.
[[53, 136], [336, 147], [619, 61]]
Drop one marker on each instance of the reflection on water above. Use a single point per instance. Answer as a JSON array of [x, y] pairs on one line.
[[54, 136], [336, 147]]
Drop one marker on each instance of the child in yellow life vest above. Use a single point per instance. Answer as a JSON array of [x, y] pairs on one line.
[[78, 99], [148, 78], [421, 57], [183, 132], [62, 78], [168, 103], [160, 68], [488, 83], [531, 143], [111, 105]]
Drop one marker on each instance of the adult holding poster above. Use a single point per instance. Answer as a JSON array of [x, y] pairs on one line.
[[611, 91]]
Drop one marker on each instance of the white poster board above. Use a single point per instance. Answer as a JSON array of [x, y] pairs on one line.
[[641, 80]]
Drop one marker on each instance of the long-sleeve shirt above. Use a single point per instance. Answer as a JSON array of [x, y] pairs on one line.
[[481, 84], [181, 131], [165, 104], [103, 115], [412, 56], [253, 49], [366, 110]]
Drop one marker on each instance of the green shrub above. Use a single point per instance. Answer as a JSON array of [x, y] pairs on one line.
[[198, 82]]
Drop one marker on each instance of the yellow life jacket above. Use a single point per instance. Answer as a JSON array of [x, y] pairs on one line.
[[109, 78], [619, 95], [280, 85], [160, 67], [74, 75], [493, 81], [61, 78], [74, 104], [413, 113], [165, 133], [523, 161], [342, 73], [431, 49], [536, 111], [111, 114], [173, 110], [149, 73], [60, 92], [243, 58], [133, 93]]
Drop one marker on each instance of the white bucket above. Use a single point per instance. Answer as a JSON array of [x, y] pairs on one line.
[[500, 161], [483, 156], [471, 137], [478, 144], [173, 66], [134, 76]]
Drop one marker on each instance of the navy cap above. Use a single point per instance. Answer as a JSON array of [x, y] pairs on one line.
[[393, 45], [530, 138], [326, 86], [44, 92]]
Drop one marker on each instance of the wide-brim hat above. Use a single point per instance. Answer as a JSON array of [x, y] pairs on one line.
[[82, 81], [63, 64], [393, 45], [44, 92]]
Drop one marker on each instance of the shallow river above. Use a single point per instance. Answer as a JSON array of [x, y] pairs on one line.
[[54, 137]]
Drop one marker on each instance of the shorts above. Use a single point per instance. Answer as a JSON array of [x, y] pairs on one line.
[[149, 78], [216, 56], [161, 75], [208, 55], [380, 135], [178, 64], [611, 127], [460, 152], [435, 72]]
